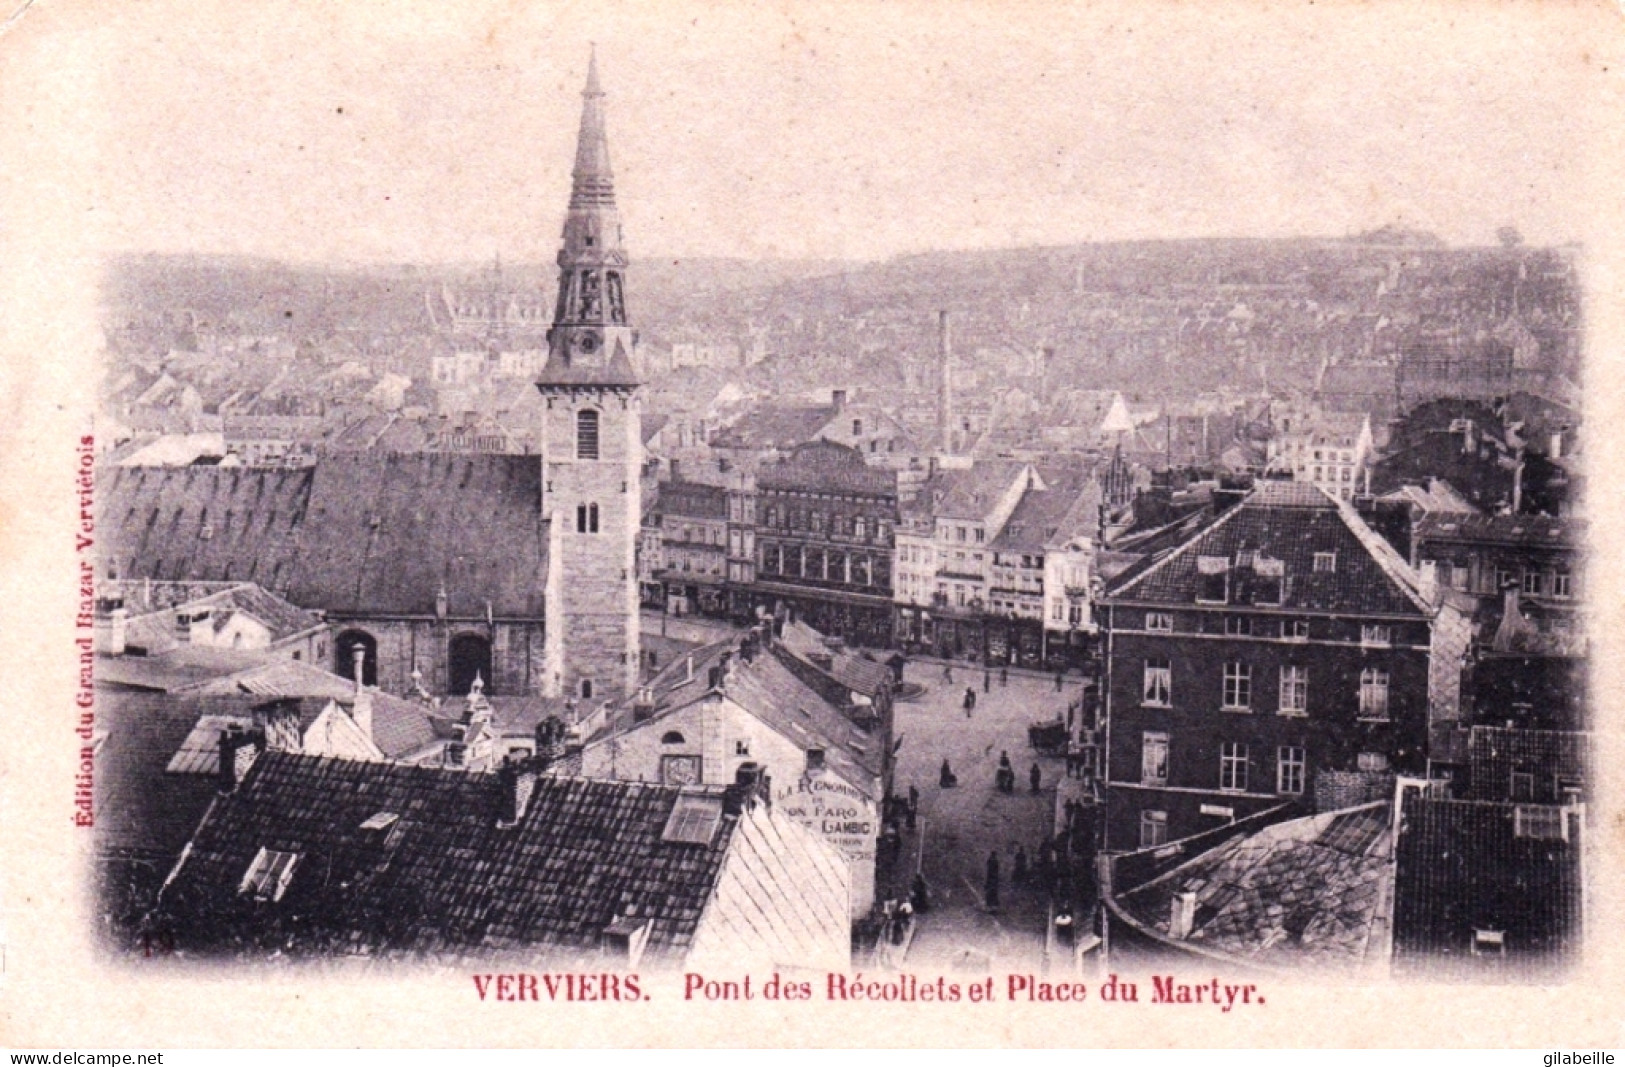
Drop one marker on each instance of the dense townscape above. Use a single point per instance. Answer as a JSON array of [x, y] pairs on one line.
[[1115, 603]]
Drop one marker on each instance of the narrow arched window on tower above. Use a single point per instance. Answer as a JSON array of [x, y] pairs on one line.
[[586, 689], [586, 518], [592, 518], [587, 434]]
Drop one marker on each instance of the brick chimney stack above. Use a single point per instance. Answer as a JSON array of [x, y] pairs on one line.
[[361, 707]]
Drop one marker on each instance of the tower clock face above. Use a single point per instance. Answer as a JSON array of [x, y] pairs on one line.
[[587, 343]]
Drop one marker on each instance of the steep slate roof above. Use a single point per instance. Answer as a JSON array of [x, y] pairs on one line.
[[1287, 521], [971, 494], [359, 533], [855, 672], [1309, 891], [1046, 516], [446, 878], [1461, 868], [153, 520]]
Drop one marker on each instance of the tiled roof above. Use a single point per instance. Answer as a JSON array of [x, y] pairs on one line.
[[1527, 530], [399, 727], [971, 494], [1494, 752], [1438, 496], [154, 521], [446, 878], [1046, 515], [695, 500], [828, 467], [278, 678], [773, 692], [862, 675], [1288, 522], [360, 533], [142, 806], [776, 427], [1309, 891], [152, 607], [1463, 868], [384, 533]]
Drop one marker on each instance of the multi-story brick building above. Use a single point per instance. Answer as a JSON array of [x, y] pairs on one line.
[[825, 529], [1283, 650], [693, 522]]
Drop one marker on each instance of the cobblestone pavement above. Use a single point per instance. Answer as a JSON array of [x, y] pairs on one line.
[[958, 827]]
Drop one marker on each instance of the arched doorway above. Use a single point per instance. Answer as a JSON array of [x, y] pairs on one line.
[[344, 655], [470, 654]]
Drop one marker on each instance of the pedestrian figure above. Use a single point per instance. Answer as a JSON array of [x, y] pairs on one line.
[[908, 818], [947, 779], [1060, 678], [987, 680], [1035, 776], [970, 701], [1004, 677], [919, 895], [992, 893], [1004, 759], [1018, 870], [948, 673], [913, 800]]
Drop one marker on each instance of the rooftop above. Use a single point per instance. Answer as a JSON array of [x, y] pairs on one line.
[[446, 877], [1310, 891], [1325, 559]]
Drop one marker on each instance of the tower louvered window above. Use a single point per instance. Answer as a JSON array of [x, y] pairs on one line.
[[587, 435]]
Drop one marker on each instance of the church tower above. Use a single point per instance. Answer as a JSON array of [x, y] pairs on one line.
[[591, 440]]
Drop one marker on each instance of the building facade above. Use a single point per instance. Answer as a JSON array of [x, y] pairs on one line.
[[824, 539], [1282, 651]]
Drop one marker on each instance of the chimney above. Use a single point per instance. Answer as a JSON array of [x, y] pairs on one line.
[[690, 663], [1554, 448], [517, 780], [361, 701], [838, 398], [625, 938], [238, 750], [1182, 916], [751, 785], [945, 396], [676, 470], [643, 706], [1513, 625], [1517, 488]]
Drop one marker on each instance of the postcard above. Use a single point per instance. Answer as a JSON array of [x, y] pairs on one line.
[[818, 524]]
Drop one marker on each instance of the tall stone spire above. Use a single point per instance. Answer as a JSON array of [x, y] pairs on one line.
[[590, 342]]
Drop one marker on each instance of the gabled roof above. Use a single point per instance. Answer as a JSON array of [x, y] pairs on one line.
[[1045, 516], [1289, 522], [152, 607], [971, 494], [445, 879], [1310, 891]]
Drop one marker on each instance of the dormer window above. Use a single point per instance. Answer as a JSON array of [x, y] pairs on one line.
[[268, 876], [1325, 562], [1213, 579], [1489, 943]]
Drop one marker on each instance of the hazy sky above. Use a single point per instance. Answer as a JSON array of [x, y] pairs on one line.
[[372, 131]]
